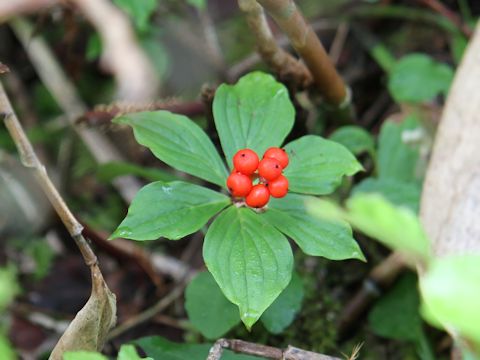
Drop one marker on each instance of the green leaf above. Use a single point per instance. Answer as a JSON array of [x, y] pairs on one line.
[[208, 309], [172, 210], [282, 312], [255, 113], [83, 355], [418, 78], [315, 236], [317, 165], [179, 142], [94, 47], [396, 227], [250, 260], [457, 46], [139, 11], [200, 4], [6, 350], [450, 292], [396, 314], [128, 352], [108, 171], [162, 349], [397, 192], [354, 138], [396, 159], [8, 286], [157, 53]]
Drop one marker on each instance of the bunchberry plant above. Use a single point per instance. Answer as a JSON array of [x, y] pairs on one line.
[[246, 251]]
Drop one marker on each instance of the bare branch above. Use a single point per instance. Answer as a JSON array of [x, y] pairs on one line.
[[306, 43], [284, 64], [133, 71], [269, 352], [12, 8]]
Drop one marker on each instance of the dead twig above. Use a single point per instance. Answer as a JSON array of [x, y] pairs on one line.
[[269, 352], [281, 62], [135, 75], [325, 77], [103, 114], [12, 8]]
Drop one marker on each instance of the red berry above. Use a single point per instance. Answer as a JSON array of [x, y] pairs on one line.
[[245, 161], [239, 184], [269, 169], [258, 196], [278, 188], [279, 154]]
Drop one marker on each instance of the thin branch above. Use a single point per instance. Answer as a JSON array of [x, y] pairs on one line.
[[103, 114], [31, 161], [269, 352], [66, 96], [281, 62], [135, 75], [12, 8], [306, 43]]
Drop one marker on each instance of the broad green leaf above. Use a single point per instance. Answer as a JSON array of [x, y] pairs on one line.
[[396, 315], [160, 348], [108, 171], [8, 286], [208, 309], [396, 227], [354, 138], [450, 292], [6, 349], [396, 159], [255, 113], [83, 355], [315, 236], [179, 142], [397, 192], [317, 165], [139, 10], [282, 312], [172, 210], [417, 78], [128, 352], [250, 260]]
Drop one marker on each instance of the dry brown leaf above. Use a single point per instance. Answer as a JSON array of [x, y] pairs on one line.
[[89, 330]]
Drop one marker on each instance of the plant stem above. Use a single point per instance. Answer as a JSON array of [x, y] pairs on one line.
[[31, 161], [284, 64], [326, 78], [269, 352]]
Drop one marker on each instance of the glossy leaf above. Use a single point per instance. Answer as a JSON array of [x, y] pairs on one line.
[[396, 227], [417, 78], [450, 292], [172, 210], [282, 312], [208, 309], [354, 138], [255, 113], [179, 142], [160, 348], [397, 192], [315, 236], [250, 260], [317, 165], [396, 159]]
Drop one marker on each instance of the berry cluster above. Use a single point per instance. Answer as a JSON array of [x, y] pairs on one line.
[[268, 171]]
